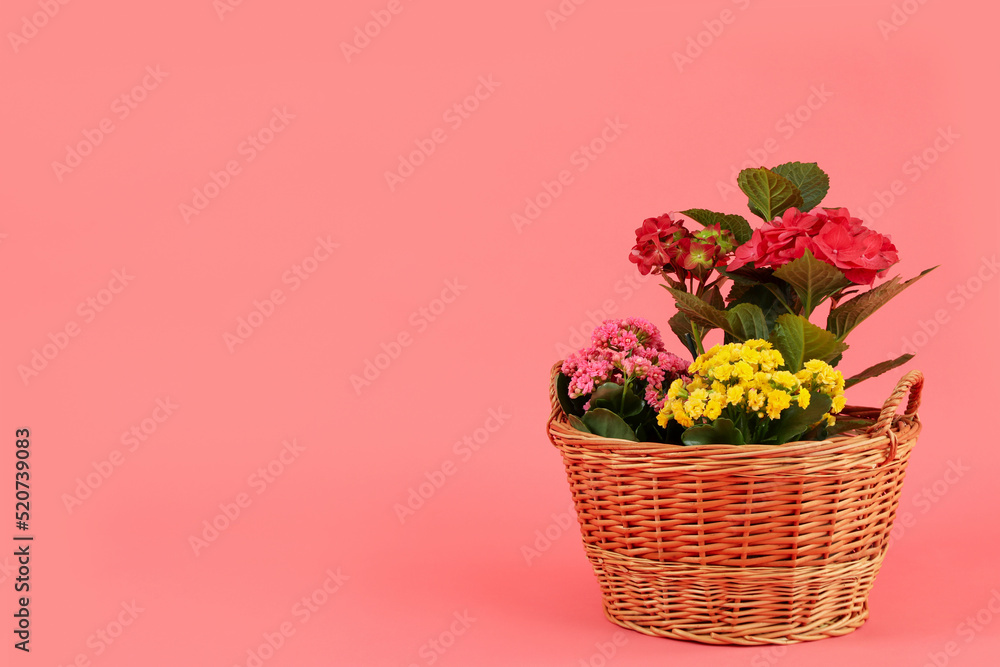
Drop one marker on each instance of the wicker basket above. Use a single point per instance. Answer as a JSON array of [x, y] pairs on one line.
[[751, 544]]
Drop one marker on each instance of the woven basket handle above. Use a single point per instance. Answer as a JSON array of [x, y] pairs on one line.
[[912, 383]]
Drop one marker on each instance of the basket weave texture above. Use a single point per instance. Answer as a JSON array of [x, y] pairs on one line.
[[740, 544]]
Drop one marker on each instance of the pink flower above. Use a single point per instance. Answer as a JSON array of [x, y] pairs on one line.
[[831, 234], [624, 350]]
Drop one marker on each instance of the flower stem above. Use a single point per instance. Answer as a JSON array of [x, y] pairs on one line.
[[698, 346]]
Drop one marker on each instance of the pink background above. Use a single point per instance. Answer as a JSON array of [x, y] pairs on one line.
[[881, 94]]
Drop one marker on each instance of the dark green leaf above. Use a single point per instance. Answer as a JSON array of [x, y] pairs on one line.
[[650, 432], [609, 396], [850, 314], [812, 279], [750, 275], [770, 194], [877, 369], [795, 421], [562, 393], [719, 432], [577, 423], [607, 424], [737, 224], [747, 321], [698, 311], [799, 340], [680, 324], [842, 426], [811, 181], [817, 432], [768, 298]]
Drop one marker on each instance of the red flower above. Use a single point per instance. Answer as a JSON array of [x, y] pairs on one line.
[[697, 256], [831, 234], [656, 243]]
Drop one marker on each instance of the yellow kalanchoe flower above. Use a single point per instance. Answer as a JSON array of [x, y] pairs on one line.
[[803, 399], [743, 370], [723, 372], [777, 401], [749, 379], [785, 379]]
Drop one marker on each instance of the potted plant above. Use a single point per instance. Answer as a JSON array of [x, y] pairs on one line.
[[736, 498]]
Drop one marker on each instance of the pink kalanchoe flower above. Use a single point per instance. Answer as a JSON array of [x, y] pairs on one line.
[[832, 235], [624, 350]]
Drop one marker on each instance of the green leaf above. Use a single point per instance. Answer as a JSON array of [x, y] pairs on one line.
[[768, 297], [680, 324], [799, 340], [844, 425], [719, 432], [562, 393], [609, 396], [849, 314], [811, 181], [812, 279], [577, 423], [607, 424], [747, 321], [795, 421], [699, 311], [770, 194], [649, 432], [737, 224], [876, 370]]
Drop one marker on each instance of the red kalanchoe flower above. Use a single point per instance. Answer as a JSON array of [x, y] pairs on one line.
[[656, 243], [831, 234]]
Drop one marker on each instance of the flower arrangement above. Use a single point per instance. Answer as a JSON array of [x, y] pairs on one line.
[[773, 378]]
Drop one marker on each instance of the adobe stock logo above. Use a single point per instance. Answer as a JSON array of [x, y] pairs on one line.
[[248, 149], [37, 21], [122, 107], [60, 340], [421, 320], [455, 116], [381, 18]]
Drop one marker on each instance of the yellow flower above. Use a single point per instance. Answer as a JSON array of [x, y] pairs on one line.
[[676, 389], [830, 420], [755, 399], [695, 405], [696, 383], [839, 402], [803, 399], [750, 355], [677, 407], [722, 372], [815, 365], [713, 409], [776, 402], [743, 370], [734, 394], [785, 379], [663, 417], [769, 360]]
